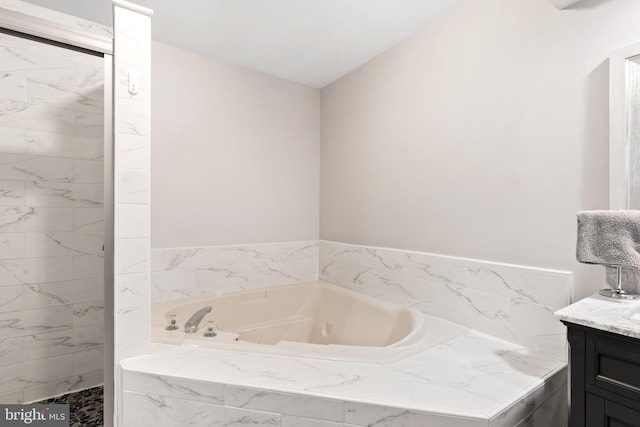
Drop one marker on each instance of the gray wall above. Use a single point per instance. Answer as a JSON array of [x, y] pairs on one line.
[[480, 136], [235, 154]]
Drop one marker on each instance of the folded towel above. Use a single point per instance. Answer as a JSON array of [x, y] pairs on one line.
[[609, 237]]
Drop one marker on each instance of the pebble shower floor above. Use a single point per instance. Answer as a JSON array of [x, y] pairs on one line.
[[85, 407]]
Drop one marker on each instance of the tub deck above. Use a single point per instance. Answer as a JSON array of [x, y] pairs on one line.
[[470, 380]]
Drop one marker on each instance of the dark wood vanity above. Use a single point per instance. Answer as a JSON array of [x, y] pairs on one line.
[[605, 378]]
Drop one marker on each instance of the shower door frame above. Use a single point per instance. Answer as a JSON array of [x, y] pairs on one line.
[[60, 34]]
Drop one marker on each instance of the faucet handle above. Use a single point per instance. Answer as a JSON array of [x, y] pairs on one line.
[[210, 330], [173, 324]]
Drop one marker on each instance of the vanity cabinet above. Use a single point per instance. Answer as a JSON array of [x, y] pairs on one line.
[[605, 378]]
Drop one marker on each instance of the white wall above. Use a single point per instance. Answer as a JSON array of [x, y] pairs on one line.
[[480, 136], [235, 155]]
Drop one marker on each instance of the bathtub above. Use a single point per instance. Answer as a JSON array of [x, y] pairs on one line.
[[313, 319]]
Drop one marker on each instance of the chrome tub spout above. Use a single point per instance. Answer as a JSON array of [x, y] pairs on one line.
[[192, 324]]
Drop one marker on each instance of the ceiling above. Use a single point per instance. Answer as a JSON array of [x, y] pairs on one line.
[[313, 42]]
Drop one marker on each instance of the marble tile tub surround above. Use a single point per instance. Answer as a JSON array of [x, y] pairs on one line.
[[511, 302], [214, 270], [471, 380], [51, 219]]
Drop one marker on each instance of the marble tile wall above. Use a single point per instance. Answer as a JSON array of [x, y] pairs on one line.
[[213, 270], [511, 302], [158, 400], [51, 219]]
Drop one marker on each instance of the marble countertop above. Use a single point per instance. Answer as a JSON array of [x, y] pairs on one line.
[[473, 375], [598, 312]]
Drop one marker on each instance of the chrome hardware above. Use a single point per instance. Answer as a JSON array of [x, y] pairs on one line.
[[173, 325], [210, 331], [192, 324]]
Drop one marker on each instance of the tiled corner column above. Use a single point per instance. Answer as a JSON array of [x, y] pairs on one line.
[[132, 61], [131, 117]]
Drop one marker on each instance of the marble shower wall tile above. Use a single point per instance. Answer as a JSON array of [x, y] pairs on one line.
[[74, 340], [59, 145], [89, 220], [30, 167], [37, 372], [35, 218], [12, 193], [41, 193], [38, 295], [88, 361], [58, 387], [35, 270], [12, 397], [75, 85], [23, 115], [88, 314], [88, 266], [51, 217], [32, 322], [515, 303], [179, 272]]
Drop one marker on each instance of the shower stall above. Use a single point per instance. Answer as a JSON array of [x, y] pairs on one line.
[[74, 201], [55, 165]]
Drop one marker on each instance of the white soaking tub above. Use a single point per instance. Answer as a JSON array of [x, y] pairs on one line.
[[312, 319]]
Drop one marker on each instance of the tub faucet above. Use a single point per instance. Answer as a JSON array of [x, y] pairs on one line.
[[192, 324]]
